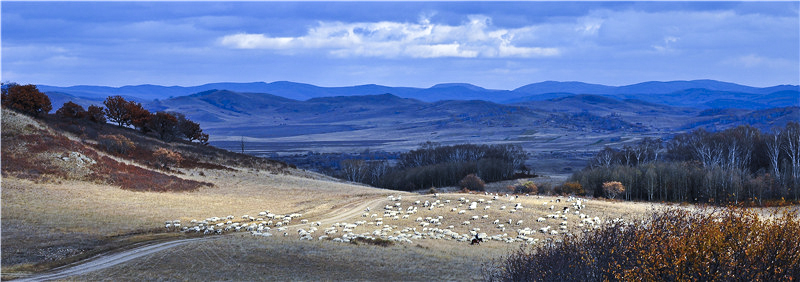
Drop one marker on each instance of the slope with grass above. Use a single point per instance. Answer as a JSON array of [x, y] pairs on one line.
[[64, 197]]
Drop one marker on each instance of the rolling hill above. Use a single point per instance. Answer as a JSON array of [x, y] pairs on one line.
[[672, 93]]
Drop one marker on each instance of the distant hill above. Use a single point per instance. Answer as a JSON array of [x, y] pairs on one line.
[[696, 93], [762, 119]]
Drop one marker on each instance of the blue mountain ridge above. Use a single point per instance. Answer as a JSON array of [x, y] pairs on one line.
[[696, 93]]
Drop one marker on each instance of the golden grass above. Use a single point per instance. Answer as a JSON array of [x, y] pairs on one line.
[[80, 211], [245, 258]]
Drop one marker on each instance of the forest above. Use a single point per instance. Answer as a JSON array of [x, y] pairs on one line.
[[435, 165], [737, 165]]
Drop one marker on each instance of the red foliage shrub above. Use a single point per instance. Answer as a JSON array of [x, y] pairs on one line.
[[117, 144], [167, 158], [672, 245], [525, 188], [570, 188], [105, 170], [131, 177]]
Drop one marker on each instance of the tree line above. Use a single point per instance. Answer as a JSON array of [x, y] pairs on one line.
[[741, 164], [435, 165], [167, 126]]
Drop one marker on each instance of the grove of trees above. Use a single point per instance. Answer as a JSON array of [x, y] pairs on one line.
[[168, 126], [731, 166], [434, 165]]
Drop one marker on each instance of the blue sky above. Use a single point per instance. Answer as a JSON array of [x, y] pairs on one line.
[[489, 44]]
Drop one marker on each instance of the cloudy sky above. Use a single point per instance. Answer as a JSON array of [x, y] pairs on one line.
[[493, 45]]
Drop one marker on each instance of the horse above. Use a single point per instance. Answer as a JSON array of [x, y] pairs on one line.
[[476, 240]]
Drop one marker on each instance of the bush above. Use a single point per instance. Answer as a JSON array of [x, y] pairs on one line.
[[371, 241], [472, 182], [26, 99], [670, 245], [167, 158], [117, 144], [570, 188], [613, 188], [526, 188]]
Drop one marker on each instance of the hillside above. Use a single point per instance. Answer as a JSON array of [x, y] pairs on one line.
[[81, 150]]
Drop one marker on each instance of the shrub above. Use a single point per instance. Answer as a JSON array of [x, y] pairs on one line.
[[526, 188], [117, 144], [372, 241], [71, 110], [472, 182], [570, 188], [670, 245], [613, 188], [167, 158], [26, 99]]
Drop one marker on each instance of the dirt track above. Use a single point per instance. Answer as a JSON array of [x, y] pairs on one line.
[[113, 258]]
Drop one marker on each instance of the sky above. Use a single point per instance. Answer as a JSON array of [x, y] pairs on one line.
[[496, 45]]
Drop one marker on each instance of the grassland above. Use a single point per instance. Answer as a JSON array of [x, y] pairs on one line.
[[48, 221]]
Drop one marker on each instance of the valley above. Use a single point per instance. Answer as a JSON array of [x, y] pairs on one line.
[[66, 218]]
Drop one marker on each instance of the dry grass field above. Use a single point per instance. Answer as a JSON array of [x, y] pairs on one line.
[[74, 217]]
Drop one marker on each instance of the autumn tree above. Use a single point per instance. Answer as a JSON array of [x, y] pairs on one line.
[[71, 110], [95, 114], [163, 124], [190, 129], [26, 99], [140, 117], [117, 111], [613, 188]]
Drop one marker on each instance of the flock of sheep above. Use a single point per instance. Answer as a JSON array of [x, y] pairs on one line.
[[430, 217]]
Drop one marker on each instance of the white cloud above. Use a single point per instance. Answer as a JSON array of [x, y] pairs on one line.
[[666, 47], [754, 60], [475, 38]]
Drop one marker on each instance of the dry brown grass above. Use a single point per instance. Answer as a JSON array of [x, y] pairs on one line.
[[271, 258], [244, 258]]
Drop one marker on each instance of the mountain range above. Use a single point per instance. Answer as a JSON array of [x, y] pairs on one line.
[[554, 118], [702, 94]]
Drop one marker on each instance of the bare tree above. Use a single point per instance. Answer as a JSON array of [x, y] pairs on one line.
[[791, 147], [773, 143]]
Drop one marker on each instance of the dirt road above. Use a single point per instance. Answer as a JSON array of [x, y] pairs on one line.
[[103, 261]]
